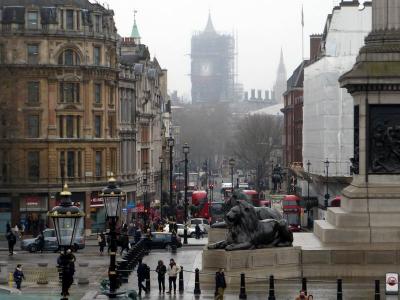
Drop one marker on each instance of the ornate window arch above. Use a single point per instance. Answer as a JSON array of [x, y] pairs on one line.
[[69, 57]]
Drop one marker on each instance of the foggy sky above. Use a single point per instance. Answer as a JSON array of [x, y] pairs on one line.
[[263, 27]]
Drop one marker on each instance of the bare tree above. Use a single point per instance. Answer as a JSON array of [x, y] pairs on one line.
[[254, 140]]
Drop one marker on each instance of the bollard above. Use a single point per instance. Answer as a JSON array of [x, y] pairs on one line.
[[242, 294], [3, 272], [197, 290], [339, 290], [148, 280], [42, 277], [82, 275], [377, 290], [271, 288], [304, 285], [181, 289]]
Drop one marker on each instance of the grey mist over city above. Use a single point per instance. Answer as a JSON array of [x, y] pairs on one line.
[[199, 149]]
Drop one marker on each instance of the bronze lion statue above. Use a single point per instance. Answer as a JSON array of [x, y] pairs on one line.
[[247, 229]]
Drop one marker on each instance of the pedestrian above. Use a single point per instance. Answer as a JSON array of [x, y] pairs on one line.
[[41, 242], [18, 276], [141, 275], [108, 243], [173, 271], [149, 237], [102, 242], [137, 236], [302, 296], [197, 231], [161, 271], [16, 232], [220, 284], [124, 243], [11, 239]]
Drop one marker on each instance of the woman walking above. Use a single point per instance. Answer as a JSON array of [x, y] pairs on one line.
[[161, 270]]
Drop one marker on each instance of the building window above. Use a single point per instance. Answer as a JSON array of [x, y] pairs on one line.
[[78, 127], [70, 19], [113, 161], [69, 92], [145, 134], [111, 98], [79, 163], [97, 93], [97, 23], [111, 126], [33, 92], [97, 126], [33, 126], [145, 158], [33, 20], [33, 165], [98, 164], [96, 56], [33, 54], [61, 126], [69, 58], [70, 126], [70, 164]]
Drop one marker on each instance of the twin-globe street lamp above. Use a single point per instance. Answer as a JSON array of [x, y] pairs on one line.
[[186, 150], [112, 196], [66, 219]]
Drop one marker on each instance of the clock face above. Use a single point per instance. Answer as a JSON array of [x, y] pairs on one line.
[[205, 69]]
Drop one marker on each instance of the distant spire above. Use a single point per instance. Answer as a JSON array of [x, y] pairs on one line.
[[281, 62], [209, 27], [135, 31]]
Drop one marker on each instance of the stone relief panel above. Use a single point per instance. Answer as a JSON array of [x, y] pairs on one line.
[[384, 136]]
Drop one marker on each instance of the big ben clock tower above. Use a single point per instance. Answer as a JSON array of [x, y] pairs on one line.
[[212, 68]]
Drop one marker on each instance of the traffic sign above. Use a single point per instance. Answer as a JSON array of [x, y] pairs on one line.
[[392, 284]]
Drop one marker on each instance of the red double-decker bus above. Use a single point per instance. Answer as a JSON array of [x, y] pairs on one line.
[[201, 205]]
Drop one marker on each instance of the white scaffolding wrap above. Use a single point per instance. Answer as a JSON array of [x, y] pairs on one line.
[[328, 110]]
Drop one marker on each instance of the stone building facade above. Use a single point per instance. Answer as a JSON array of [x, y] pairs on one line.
[[59, 88]]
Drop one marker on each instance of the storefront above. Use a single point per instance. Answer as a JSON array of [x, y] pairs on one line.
[[33, 210], [5, 212]]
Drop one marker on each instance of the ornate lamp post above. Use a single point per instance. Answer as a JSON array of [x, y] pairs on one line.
[[186, 150], [171, 143], [161, 160], [232, 163], [327, 178], [66, 220], [112, 196]]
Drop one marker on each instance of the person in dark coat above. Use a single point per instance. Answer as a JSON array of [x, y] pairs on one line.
[[18, 276], [40, 239], [161, 270], [124, 243], [141, 275], [197, 231], [102, 242], [220, 284], [137, 236], [11, 239]]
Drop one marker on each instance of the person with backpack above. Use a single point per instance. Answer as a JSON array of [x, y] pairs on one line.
[[11, 239], [161, 270], [18, 276], [141, 275]]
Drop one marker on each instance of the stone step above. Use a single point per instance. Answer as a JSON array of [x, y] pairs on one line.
[[329, 233], [341, 218]]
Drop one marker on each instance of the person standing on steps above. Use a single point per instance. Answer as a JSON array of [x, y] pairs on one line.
[[220, 284], [173, 271], [161, 271]]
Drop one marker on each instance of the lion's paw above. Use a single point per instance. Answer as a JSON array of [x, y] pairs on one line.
[[229, 247]]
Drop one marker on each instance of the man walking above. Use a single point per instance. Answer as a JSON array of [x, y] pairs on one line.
[[220, 284], [11, 239], [141, 275]]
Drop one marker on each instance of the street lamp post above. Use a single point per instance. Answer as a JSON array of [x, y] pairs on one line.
[[146, 203], [186, 150], [161, 159], [327, 178], [232, 165], [309, 210], [171, 143], [112, 196], [66, 220]]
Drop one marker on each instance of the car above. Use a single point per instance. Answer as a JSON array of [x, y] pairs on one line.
[[203, 223], [191, 231], [161, 240], [50, 242]]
